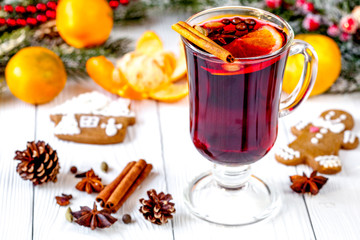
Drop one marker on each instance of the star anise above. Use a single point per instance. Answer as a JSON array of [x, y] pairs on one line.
[[93, 218], [63, 200], [90, 183], [303, 184]]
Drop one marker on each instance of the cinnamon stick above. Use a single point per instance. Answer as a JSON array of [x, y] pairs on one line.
[[136, 184], [200, 40], [125, 184], [105, 194]]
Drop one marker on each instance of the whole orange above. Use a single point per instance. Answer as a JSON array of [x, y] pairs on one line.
[[35, 75], [84, 23]]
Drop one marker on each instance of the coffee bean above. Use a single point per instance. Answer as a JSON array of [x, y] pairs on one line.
[[250, 21], [241, 27], [126, 219], [73, 169], [235, 21], [225, 21]]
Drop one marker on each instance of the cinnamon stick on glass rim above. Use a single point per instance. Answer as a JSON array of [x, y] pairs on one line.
[[202, 41]]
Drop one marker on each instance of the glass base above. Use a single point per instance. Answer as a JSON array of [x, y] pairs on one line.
[[248, 202]]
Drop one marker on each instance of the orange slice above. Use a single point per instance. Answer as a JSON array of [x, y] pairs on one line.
[[172, 92], [180, 69], [149, 43], [262, 41], [101, 71]]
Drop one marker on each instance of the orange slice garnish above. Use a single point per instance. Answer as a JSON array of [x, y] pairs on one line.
[[101, 71], [172, 92], [149, 43], [262, 41]]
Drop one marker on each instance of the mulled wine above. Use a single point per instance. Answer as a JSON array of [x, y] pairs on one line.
[[234, 107]]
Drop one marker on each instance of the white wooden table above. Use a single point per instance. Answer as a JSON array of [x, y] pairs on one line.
[[161, 136]]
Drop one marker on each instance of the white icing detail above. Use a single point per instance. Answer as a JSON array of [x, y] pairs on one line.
[[323, 130], [89, 121], [329, 161], [111, 128], [342, 117], [301, 125], [67, 126], [97, 104], [335, 127], [349, 137], [314, 140], [319, 136], [288, 153]]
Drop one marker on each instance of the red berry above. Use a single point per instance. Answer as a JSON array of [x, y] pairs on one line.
[[51, 5], [31, 21], [114, 4], [2, 21], [20, 9], [333, 30], [273, 4], [41, 18], [308, 7], [11, 22], [21, 22], [345, 37], [348, 24], [8, 8], [124, 2], [31, 9], [311, 22], [41, 6], [51, 14], [300, 3]]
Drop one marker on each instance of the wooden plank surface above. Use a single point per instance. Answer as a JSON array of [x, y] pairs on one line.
[[17, 122]]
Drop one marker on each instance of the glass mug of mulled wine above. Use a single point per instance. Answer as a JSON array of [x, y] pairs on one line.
[[235, 107]]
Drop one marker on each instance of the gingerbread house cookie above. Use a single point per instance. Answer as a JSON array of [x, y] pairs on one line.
[[93, 118], [318, 143]]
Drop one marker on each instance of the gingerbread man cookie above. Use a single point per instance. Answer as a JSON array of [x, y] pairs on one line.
[[318, 143], [93, 118]]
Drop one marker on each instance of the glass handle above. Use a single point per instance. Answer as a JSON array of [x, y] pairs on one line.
[[307, 79]]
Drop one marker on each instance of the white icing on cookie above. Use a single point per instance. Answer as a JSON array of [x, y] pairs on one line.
[[89, 121], [314, 140], [287, 153], [97, 104], [67, 126], [349, 137], [329, 115], [301, 125], [319, 136], [342, 117], [111, 128], [329, 161], [332, 125], [323, 130]]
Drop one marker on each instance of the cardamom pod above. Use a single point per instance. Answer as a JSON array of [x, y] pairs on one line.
[[68, 215], [104, 167]]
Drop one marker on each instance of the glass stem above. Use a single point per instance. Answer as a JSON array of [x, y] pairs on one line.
[[231, 177]]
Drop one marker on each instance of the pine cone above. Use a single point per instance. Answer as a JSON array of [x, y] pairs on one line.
[[48, 33], [39, 163], [158, 209]]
